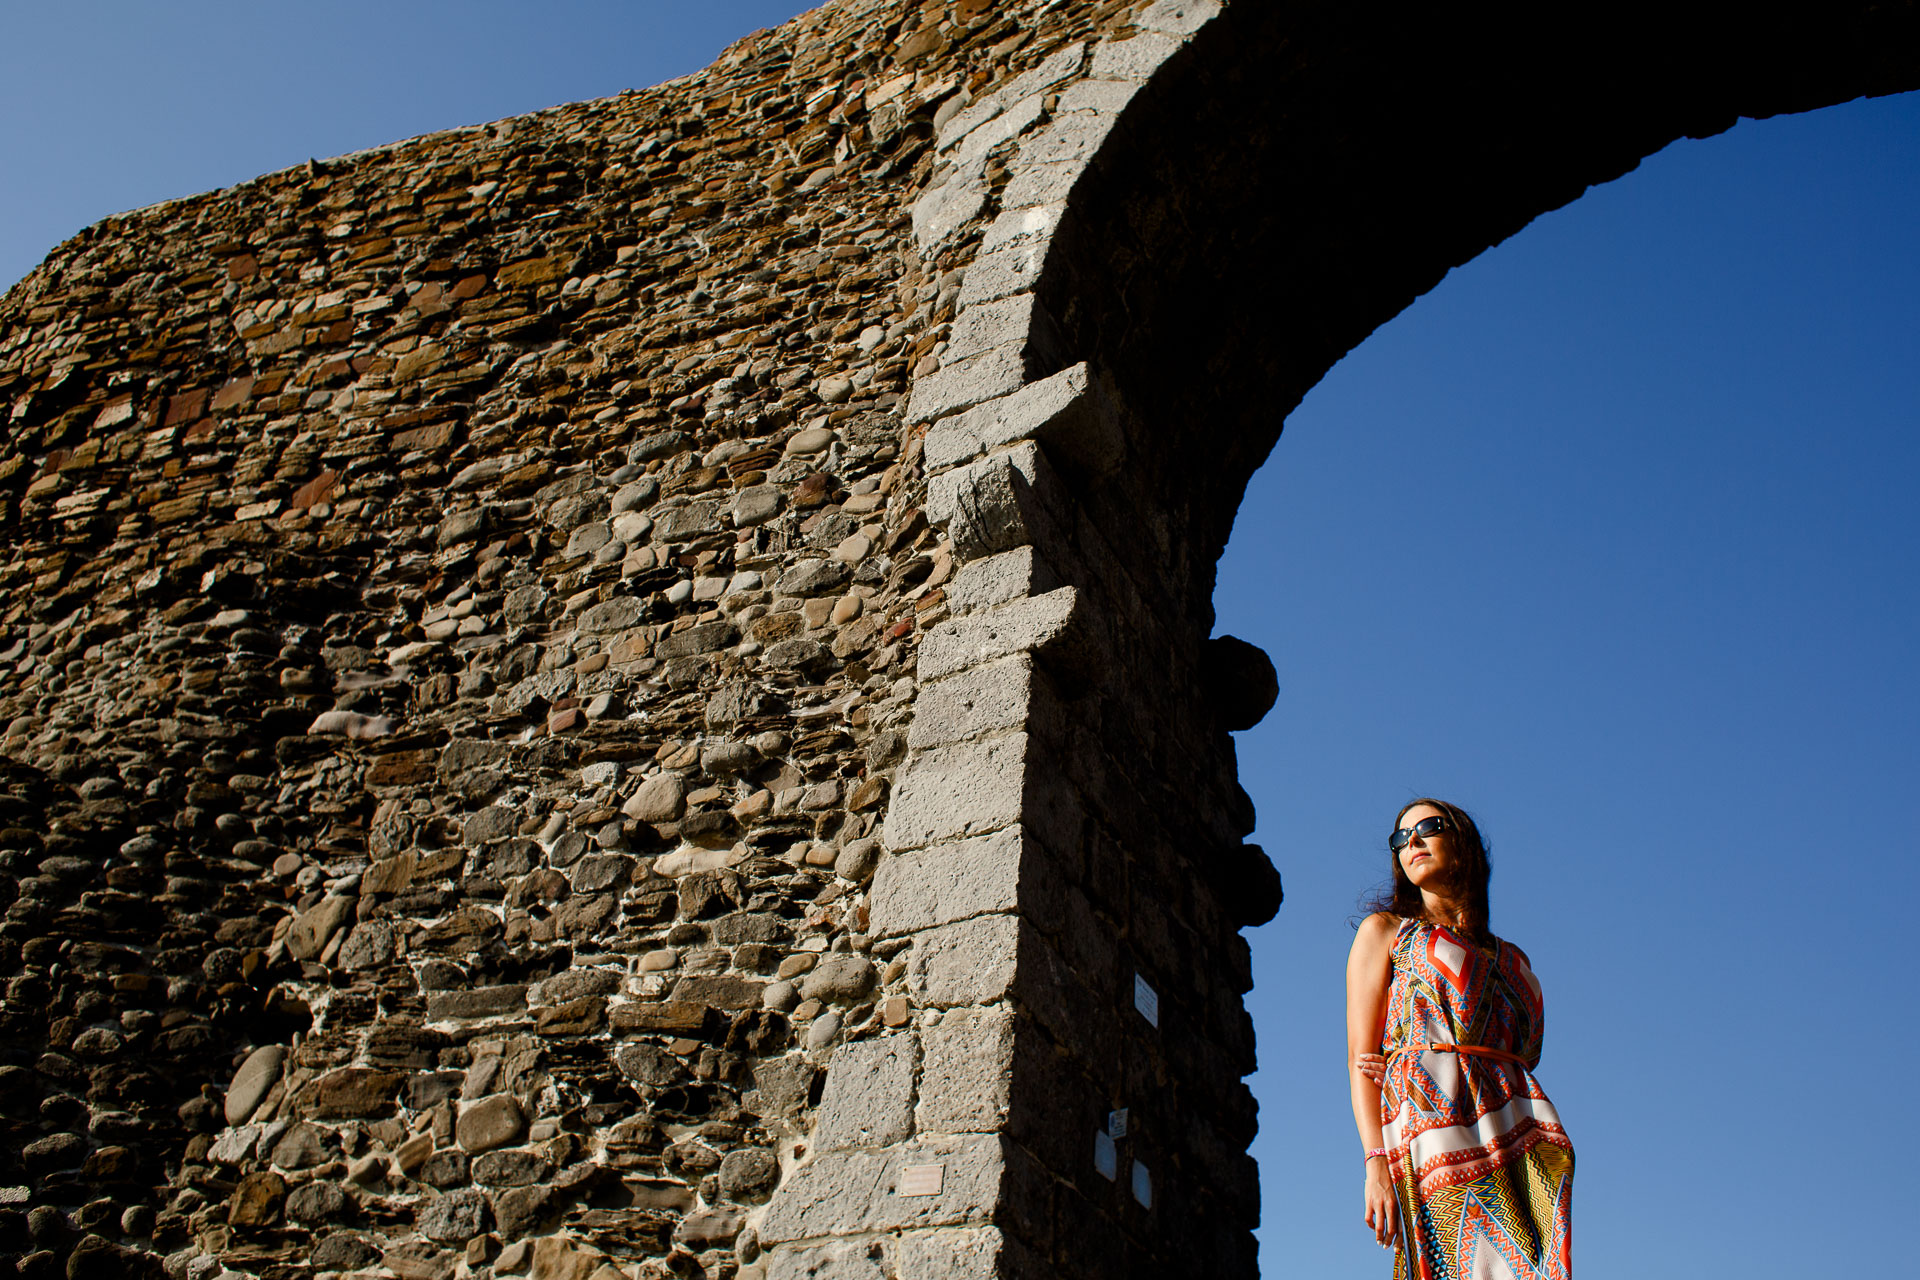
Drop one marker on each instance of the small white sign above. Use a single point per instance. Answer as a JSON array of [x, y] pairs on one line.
[[1106, 1156], [1146, 1000], [1142, 1185], [1117, 1124], [922, 1179]]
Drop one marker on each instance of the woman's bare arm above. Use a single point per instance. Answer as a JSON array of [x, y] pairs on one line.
[[1369, 974]]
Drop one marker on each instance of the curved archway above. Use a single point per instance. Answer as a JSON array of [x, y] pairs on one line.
[[1295, 176], [1229, 200]]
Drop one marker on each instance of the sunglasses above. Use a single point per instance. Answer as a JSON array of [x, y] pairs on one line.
[[1418, 831]]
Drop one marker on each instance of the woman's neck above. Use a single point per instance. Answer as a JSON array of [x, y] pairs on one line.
[[1443, 910]]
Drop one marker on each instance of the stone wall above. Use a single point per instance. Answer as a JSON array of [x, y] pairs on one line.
[[461, 616], [628, 692]]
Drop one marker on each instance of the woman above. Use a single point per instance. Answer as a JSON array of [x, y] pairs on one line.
[[1469, 1175]]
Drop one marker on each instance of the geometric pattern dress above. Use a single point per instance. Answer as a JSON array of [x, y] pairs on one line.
[[1480, 1165]]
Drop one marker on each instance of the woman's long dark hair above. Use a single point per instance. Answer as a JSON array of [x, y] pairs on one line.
[[1472, 869]]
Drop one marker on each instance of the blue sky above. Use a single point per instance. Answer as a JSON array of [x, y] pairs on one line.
[[108, 105], [1609, 538]]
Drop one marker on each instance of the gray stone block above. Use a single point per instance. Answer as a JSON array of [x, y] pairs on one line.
[[1074, 414], [1079, 1010], [814, 577], [981, 701], [1074, 138], [1032, 223], [968, 1064], [963, 385], [841, 1193], [868, 1099], [690, 520], [1108, 97], [1057, 67], [781, 1086], [996, 580], [966, 436], [706, 637], [1004, 322], [1041, 184], [968, 1253], [941, 1253], [1016, 119], [996, 504], [968, 962], [601, 872], [957, 791], [1135, 59], [966, 120], [455, 1217], [930, 887], [949, 206], [836, 1260], [1178, 17], [756, 505], [1004, 271], [1045, 624]]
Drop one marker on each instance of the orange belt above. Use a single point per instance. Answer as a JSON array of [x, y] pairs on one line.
[[1475, 1050]]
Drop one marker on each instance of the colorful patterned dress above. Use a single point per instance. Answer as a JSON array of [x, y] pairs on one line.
[[1482, 1169]]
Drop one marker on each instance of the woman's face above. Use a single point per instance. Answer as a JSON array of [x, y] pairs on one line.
[[1426, 860]]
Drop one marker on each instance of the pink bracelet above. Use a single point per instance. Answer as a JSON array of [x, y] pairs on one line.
[[1377, 1151]]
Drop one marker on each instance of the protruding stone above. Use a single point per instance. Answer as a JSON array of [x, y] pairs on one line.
[[1240, 680], [489, 1123], [811, 440], [657, 800], [748, 1175], [257, 1200], [251, 1083], [839, 978]]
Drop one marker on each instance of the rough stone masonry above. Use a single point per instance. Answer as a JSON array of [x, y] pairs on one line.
[[627, 692]]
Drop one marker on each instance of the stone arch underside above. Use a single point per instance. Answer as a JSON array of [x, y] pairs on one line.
[[628, 692], [1299, 174]]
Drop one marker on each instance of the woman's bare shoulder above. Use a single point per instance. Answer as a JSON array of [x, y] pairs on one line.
[[1377, 930]]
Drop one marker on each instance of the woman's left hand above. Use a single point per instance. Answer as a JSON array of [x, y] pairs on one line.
[[1372, 1065]]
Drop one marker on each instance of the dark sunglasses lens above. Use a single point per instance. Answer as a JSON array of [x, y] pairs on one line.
[[1424, 829]]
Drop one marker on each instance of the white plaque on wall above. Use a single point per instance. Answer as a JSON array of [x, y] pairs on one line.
[[1146, 1000], [1142, 1185], [1106, 1156], [922, 1179]]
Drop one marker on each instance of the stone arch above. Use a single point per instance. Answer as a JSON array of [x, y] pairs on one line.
[[1284, 181], [1224, 200]]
